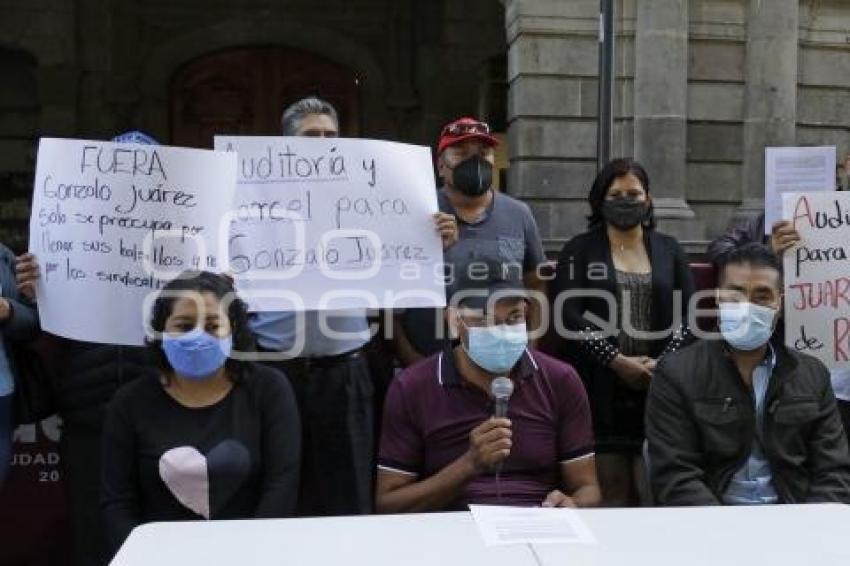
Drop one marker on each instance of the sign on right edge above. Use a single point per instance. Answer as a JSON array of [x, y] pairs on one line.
[[794, 170], [817, 277]]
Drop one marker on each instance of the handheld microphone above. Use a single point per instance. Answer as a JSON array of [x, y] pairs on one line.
[[501, 390]]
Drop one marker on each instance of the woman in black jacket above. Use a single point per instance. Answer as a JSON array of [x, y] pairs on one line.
[[620, 296]]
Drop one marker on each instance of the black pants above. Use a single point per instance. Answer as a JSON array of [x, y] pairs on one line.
[[80, 455], [844, 409], [381, 359], [337, 459]]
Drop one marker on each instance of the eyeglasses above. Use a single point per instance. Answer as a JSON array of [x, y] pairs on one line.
[[479, 322], [464, 128]]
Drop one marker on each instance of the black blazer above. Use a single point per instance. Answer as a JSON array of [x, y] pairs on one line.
[[586, 263]]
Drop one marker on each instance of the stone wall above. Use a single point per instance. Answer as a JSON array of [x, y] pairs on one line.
[[702, 87]]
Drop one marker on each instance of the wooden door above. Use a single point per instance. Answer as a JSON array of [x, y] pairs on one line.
[[244, 91]]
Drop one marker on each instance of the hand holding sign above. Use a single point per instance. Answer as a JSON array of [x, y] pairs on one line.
[[447, 228], [783, 236], [26, 274]]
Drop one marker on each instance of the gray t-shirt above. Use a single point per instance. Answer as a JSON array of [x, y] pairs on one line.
[[506, 233]]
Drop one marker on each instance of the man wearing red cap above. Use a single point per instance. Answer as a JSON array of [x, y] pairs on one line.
[[492, 227]]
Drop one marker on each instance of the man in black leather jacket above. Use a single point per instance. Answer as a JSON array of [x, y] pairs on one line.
[[783, 236], [744, 419]]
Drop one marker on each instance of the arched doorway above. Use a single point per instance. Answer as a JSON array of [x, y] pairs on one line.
[[244, 91]]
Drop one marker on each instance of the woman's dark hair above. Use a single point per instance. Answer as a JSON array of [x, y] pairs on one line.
[[605, 178], [202, 282]]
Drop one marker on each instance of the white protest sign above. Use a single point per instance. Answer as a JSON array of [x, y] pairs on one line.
[[321, 224], [817, 277], [111, 223], [797, 170]]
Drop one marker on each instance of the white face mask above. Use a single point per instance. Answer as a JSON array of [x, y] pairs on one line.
[[746, 326], [496, 349]]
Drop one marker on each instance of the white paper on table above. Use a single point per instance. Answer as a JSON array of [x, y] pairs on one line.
[[795, 170], [500, 525]]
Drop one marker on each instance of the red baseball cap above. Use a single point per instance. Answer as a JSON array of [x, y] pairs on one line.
[[462, 129]]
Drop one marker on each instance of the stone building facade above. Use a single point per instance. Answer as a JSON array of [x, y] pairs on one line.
[[702, 85]]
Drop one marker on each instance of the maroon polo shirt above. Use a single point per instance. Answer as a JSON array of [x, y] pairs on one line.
[[430, 411]]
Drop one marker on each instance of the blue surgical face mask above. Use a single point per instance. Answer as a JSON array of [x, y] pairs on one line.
[[746, 326], [496, 349], [196, 355]]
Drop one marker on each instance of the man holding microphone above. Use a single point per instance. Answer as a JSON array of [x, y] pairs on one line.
[[445, 444]]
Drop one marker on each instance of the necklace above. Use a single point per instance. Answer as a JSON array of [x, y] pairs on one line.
[[619, 246]]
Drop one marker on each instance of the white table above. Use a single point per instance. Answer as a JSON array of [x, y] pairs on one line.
[[778, 535], [782, 535], [436, 539]]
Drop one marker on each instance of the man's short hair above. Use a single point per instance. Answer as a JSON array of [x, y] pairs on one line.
[[752, 254], [297, 111]]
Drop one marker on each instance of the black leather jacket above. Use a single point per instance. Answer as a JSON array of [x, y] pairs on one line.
[[700, 425]]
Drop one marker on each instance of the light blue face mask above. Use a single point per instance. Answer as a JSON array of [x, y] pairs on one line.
[[496, 349], [196, 355], [746, 326]]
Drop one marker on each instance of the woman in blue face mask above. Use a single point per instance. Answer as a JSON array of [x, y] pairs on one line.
[[623, 272], [213, 437]]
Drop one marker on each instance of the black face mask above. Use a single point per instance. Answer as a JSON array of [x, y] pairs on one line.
[[624, 214], [473, 176]]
